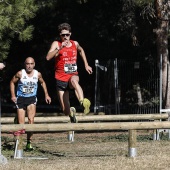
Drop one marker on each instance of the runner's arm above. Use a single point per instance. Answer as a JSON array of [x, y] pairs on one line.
[[84, 58], [54, 51], [43, 84], [15, 79]]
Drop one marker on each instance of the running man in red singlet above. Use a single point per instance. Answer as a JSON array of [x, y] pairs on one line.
[[66, 75]]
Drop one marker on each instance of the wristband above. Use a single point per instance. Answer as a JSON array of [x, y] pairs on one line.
[[57, 50]]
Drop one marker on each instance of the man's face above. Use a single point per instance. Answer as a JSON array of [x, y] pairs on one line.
[[29, 65], [65, 35]]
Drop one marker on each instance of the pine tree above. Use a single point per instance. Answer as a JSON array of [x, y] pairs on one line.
[[14, 19]]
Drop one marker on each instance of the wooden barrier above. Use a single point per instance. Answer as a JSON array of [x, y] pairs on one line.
[[131, 126], [61, 127], [107, 126], [91, 118]]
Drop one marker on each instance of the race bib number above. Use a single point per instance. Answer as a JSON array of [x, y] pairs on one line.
[[70, 68], [28, 89]]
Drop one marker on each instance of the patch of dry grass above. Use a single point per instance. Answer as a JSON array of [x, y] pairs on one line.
[[90, 152]]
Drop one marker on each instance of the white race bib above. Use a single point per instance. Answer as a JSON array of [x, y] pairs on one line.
[[28, 89], [70, 68]]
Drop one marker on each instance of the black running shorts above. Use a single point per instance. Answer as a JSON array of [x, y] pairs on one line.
[[62, 85], [23, 102]]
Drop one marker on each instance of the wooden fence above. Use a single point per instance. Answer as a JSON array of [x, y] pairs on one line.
[[100, 126]]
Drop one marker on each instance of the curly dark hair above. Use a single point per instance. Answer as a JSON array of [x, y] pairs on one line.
[[64, 26]]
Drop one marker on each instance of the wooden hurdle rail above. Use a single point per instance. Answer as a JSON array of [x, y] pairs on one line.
[[96, 118], [108, 126], [91, 118]]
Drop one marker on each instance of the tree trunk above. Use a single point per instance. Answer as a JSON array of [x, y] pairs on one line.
[[162, 47], [139, 95]]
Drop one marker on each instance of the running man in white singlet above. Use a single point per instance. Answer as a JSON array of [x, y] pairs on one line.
[[27, 84]]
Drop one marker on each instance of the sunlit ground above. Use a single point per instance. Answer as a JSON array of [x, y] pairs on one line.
[[93, 151]]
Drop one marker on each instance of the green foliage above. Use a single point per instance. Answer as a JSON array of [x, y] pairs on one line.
[[148, 100], [26, 33], [123, 137], [147, 8], [14, 17], [143, 2]]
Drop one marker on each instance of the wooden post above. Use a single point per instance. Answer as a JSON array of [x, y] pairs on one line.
[[132, 143], [157, 130], [154, 134], [169, 129], [71, 136], [19, 143], [18, 147]]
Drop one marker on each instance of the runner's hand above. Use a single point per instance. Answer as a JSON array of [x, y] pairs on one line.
[[14, 99], [48, 99], [64, 44], [89, 69]]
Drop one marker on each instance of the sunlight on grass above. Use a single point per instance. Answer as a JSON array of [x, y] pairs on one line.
[[105, 151]]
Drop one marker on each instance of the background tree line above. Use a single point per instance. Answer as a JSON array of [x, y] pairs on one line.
[[106, 29]]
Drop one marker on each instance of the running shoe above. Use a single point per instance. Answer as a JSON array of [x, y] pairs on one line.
[[86, 105], [29, 147], [72, 115]]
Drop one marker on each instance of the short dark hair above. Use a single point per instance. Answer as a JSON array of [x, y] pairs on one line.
[[64, 26]]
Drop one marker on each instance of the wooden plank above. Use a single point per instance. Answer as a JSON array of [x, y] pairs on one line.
[[59, 127], [91, 118]]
